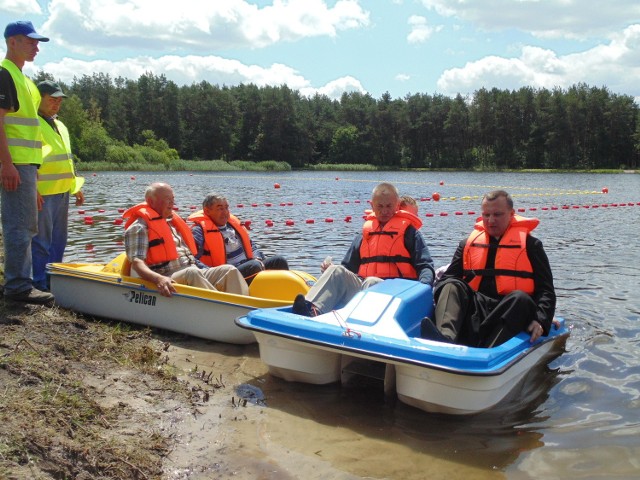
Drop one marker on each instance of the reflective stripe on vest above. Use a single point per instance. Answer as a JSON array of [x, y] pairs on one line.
[[22, 128]]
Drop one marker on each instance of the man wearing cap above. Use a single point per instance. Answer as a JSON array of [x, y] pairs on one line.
[[20, 158], [56, 181]]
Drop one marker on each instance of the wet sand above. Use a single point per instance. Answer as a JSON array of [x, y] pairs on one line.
[[320, 432]]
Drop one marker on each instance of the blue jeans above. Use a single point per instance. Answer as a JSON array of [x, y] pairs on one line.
[[49, 244], [19, 224]]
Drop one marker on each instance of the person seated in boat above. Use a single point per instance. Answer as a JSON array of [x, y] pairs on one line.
[[161, 249], [389, 246], [499, 282], [221, 239], [408, 204]]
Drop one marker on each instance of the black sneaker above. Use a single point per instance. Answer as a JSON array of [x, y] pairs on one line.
[[302, 306], [429, 331], [33, 296]]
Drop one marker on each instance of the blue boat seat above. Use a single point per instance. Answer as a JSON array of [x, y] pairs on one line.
[[391, 304]]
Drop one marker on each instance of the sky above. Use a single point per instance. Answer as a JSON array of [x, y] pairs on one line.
[[400, 47]]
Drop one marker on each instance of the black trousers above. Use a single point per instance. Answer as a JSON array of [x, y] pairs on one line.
[[251, 268], [470, 318]]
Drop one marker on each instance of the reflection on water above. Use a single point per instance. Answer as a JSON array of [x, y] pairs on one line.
[[578, 418]]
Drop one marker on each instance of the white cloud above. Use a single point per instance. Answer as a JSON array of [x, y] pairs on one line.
[[336, 88], [403, 77], [21, 7], [563, 18], [616, 65], [421, 31], [197, 25], [193, 69]]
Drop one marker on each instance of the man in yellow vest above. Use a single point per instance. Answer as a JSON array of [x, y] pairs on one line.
[[56, 182], [20, 158]]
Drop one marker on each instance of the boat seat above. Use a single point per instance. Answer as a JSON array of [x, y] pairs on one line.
[[394, 308], [280, 284]]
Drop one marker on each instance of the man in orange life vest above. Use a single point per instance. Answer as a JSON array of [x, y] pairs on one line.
[[221, 238], [498, 283], [161, 249], [390, 246]]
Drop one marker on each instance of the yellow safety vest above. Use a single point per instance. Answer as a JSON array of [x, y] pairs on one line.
[[22, 128], [57, 175]]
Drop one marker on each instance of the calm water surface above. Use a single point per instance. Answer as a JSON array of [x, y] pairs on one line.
[[579, 418]]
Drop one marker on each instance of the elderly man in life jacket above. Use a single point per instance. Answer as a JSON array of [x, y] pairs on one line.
[[221, 238], [161, 249], [498, 283], [390, 246]]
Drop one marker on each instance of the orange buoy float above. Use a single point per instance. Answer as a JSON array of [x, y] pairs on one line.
[[436, 196], [276, 185]]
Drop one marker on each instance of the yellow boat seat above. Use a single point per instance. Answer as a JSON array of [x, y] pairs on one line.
[[280, 284]]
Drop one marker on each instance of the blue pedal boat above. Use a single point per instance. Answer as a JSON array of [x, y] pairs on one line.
[[378, 334]]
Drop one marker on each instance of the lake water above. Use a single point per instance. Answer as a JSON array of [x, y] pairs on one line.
[[580, 418]]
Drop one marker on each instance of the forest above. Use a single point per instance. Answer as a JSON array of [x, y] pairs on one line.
[[153, 120]]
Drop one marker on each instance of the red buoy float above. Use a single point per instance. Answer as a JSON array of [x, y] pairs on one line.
[[276, 185], [289, 223], [436, 196], [605, 190], [328, 220], [310, 220]]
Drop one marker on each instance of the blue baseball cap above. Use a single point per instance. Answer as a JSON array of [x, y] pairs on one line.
[[23, 27]]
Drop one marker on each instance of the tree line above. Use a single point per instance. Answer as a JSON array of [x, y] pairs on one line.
[[581, 127]]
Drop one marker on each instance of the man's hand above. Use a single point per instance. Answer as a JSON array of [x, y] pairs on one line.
[[536, 330], [10, 177], [165, 286]]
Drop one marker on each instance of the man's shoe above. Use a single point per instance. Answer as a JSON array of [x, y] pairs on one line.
[[33, 296], [302, 306], [429, 331]]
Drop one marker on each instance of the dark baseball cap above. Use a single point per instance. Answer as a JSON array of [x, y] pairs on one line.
[[47, 87], [23, 27]]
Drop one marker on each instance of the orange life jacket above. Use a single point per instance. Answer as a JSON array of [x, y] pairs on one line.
[[214, 252], [382, 251], [512, 269], [162, 248]]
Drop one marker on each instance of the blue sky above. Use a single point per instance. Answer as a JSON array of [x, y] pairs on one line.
[[376, 46]]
